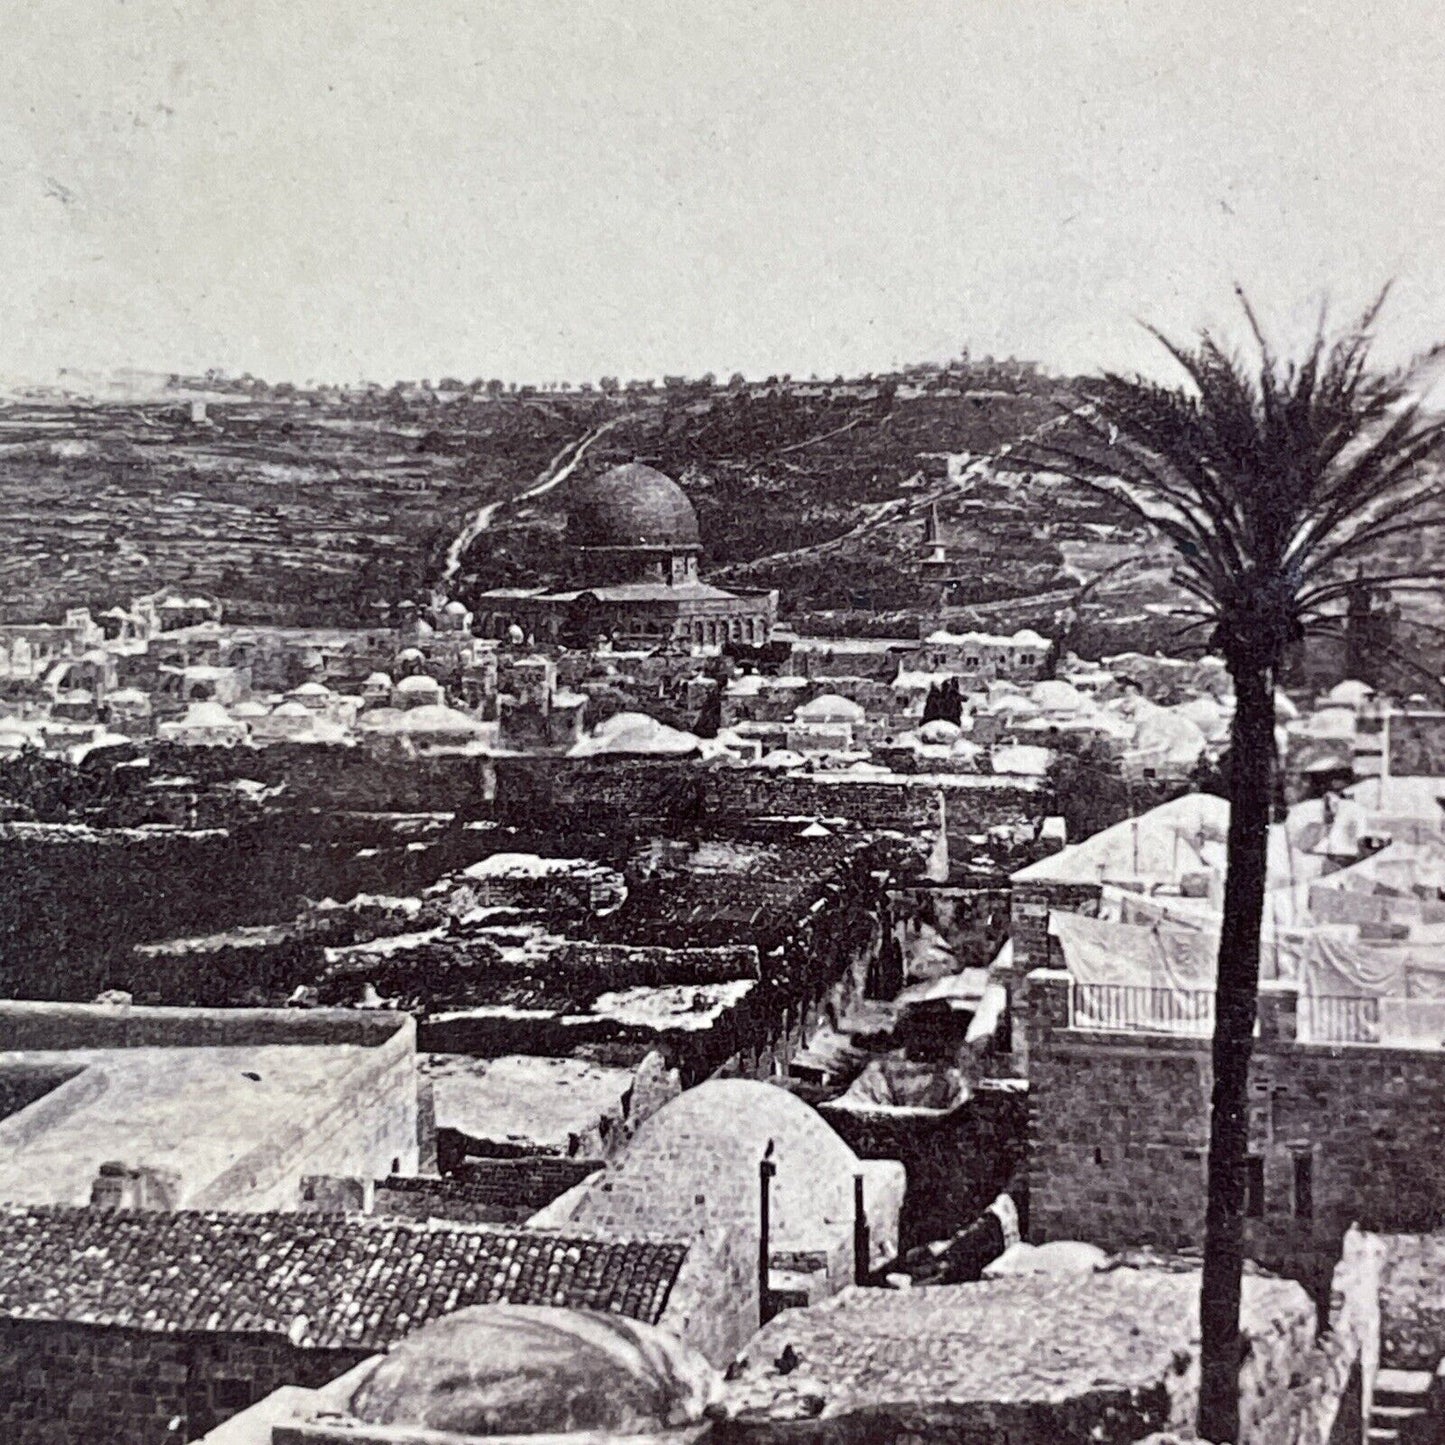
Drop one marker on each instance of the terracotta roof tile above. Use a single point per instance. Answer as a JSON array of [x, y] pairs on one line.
[[329, 1281]]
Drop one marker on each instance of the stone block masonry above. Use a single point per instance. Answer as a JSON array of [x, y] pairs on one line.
[[145, 1328], [490, 1191], [957, 1161], [589, 794], [62, 1382], [1339, 1134]]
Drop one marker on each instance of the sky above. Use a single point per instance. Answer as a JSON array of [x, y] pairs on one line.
[[565, 189]]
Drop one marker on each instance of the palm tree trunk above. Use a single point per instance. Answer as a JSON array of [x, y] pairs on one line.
[[1251, 770]]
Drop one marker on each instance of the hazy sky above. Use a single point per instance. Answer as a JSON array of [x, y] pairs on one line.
[[345, 188]]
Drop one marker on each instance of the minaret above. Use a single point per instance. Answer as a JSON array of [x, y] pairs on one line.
[[933, 555]]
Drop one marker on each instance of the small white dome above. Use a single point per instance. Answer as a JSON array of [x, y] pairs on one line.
[[1351, 693], [208, 714], [1055, 695], [830, 707]]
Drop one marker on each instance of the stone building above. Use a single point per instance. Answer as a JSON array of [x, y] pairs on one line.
[[95, 1094], [980, 657], [1340, 1132], [694, 1169], [146, 1328], [635, 540]]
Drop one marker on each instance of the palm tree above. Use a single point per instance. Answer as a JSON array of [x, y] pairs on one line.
[[1270, 479]]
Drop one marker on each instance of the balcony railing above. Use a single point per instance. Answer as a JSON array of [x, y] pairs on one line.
[[1138, 1008], [1327, 1020]]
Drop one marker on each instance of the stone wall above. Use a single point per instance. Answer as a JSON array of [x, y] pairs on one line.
[[1029, 906], [1417, 744], [484, 1191], [956, 1162], [21, 1085], [1298, 1386], [713, 1304], [63, 1026], [1412, 1301], [1119, 1130], [84, 1383], [604, 794], [77, 900], [340, 777], [618, 966]]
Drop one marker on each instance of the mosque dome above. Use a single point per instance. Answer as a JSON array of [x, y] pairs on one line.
[[532, 1370], [631, 506]]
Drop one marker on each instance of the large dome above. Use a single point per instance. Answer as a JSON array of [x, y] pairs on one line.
[[631, 506], [530, 1370]]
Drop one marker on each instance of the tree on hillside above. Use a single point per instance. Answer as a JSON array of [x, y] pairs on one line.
[[1269, 478], [944, 701]]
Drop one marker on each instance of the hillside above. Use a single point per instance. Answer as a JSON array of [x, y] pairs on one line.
[[314, 507]]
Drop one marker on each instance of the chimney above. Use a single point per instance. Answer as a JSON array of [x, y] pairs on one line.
[[766, 1170]]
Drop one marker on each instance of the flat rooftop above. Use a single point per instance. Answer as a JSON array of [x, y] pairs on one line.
[[194, 1111], [523, 1099], [1025, 1339], [191, 1092]]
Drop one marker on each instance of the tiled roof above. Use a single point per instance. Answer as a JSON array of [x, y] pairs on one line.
[[326, 1281]]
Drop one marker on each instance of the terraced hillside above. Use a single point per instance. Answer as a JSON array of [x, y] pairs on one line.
[[288, 511], [313, 508]]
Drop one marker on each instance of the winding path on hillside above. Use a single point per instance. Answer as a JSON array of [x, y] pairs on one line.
[[562, 465]]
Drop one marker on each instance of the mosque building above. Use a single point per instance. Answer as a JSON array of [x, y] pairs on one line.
[[635, 544]]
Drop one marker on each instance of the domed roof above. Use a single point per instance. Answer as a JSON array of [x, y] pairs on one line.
[[208, 714], [532, 1370], [1351, 692], [634, 732], [631, 506], [436, 718], [1056, 695], [829, 707], [418, 683], [694, 1163]]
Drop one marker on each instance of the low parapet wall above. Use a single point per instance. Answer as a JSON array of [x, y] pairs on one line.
[[61, 1026]]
